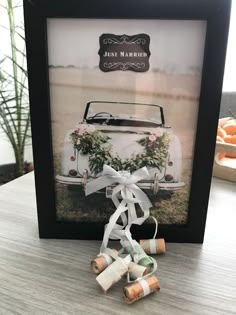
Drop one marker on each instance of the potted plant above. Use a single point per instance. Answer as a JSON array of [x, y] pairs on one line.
[[14, 102]]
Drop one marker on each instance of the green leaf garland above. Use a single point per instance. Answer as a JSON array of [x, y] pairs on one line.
[[95, 144]]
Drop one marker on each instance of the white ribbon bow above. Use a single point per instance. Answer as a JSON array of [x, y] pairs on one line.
[[130, 193]]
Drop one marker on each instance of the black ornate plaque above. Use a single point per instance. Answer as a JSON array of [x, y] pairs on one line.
[[124, 52]]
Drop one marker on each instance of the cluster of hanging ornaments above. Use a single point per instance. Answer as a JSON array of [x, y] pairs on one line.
[[132, 260]]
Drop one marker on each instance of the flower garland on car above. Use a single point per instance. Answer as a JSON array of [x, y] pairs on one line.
[[94, 143]]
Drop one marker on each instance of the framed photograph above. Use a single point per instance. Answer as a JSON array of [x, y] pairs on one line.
[[127, 84]]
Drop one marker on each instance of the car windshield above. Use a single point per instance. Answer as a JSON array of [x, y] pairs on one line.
[[124, 114]]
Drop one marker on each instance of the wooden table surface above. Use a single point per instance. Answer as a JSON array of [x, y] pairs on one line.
[[39, 276]]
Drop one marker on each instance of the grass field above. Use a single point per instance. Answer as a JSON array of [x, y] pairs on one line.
[[73, 205]]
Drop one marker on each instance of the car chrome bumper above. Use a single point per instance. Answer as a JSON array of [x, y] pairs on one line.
[[171, 186], [143, 185], [69, 180]]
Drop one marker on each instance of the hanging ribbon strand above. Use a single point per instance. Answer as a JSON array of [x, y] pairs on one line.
[[131, 194]]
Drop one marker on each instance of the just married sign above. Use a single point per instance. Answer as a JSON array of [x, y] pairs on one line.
[[123, 52]]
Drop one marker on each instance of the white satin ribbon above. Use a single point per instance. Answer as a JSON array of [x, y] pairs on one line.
[[107, 258], [130, 193], [153, 246], [145, 286]]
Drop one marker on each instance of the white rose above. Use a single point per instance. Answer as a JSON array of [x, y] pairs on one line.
[[91, 128]]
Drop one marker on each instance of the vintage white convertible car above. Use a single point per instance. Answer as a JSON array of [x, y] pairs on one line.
[[126, 136]]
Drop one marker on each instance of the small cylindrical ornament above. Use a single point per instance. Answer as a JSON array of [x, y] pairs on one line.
[[153, 246], [137, 271], [141, 288], [102, 261], [113, 273]]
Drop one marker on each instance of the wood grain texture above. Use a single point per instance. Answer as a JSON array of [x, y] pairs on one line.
[[54, 276]]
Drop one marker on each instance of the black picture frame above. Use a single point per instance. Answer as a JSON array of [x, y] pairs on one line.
[[217, 15]]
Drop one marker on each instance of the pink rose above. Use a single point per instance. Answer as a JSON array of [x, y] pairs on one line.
[[76, 131], [72, 158], [152, 138]]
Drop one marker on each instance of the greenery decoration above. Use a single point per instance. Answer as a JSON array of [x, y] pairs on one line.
[[96, 145], [14, 103]]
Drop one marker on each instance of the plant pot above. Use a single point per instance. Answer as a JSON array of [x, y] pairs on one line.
[[7, 173]]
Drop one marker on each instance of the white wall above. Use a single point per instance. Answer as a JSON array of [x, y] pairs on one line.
[[6, 154], [230, 66]]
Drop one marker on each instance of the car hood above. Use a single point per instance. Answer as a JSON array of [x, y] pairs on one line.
[[126, 129]]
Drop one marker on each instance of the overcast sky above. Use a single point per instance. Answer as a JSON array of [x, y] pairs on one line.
[[174, 45]]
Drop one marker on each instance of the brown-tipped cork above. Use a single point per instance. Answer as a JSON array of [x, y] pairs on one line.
[[135, 291], [159, 246], [100, 263]]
